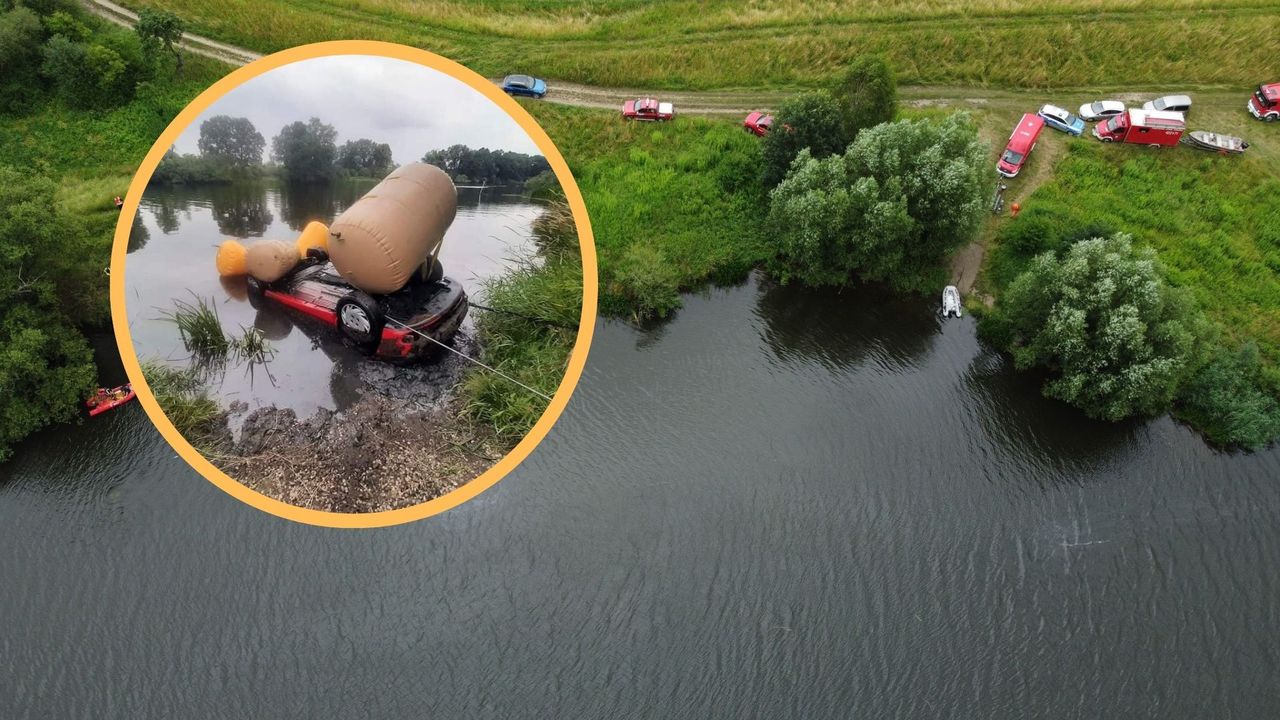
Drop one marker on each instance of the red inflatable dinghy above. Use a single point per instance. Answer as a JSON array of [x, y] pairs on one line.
[[105, 399]]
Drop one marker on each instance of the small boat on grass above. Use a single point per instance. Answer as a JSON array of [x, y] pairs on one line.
[[1215, 142], [106, 399], [950, 301]]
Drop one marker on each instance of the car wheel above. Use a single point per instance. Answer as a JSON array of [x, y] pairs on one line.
[[1272, 118], [255, 291], [361, 320], [1154, 146], [1107, 139]]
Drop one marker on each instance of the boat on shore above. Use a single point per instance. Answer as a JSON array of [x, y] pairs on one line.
[[109, 398], [1215, 142], [950, 301]]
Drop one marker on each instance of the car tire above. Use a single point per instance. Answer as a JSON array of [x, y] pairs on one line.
[[1107, 139], [1272, 118], [255, 291], [360, 319]]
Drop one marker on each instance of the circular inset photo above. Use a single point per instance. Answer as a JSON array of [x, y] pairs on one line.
[[353, 284]]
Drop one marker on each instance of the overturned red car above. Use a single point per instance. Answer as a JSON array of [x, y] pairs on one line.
[[409, 324], [647, 109]]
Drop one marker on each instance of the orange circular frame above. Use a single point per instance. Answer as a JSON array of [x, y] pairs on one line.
[[577, 358]]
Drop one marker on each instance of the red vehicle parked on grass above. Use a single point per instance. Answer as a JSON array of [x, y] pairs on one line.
[[1021, 143], [1265, 103], [647, 109], [1153, 128], [758, 124]]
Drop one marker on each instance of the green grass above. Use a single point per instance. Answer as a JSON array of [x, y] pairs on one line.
[[532, 335], [672, 205], [1214, 221], [181, 394], [695, 44], [200, 328]]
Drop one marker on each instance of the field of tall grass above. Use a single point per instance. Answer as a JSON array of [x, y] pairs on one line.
[[672, 205], [1214, 220], [687, 44]]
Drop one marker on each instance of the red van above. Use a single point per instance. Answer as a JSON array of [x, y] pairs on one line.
[[1265, 103], [1021, 143]]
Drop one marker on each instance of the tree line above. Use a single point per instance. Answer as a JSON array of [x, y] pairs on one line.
[[231, 148], [485, 166]]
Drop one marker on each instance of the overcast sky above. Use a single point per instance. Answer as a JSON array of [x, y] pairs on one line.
[[408, 106]]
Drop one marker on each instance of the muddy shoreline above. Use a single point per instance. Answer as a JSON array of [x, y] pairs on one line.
[[403, 442]]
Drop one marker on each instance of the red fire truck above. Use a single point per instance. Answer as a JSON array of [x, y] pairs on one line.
[[1144, 127], [1265, 103]]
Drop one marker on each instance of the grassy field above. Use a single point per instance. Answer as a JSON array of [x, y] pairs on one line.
[[672, 205], [1213, 220], [690, 44]]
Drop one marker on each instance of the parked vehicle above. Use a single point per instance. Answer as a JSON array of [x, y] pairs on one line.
[[647, 109], [1265, 103], [524, 85], [1059, 119], [758, 124], [1020, 145], [1145, 127], [1214, 142], [1101, 110], [1169, 103]]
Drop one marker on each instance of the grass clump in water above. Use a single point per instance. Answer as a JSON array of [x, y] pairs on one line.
[[200, 327], [181, 395]]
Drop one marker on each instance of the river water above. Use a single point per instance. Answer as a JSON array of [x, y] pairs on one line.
[[783, 503], [171, 258]]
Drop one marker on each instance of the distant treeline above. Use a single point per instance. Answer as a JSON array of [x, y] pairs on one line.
[[492, 167], [304, 152]]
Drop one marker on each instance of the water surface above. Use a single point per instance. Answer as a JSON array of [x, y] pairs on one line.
[[171, 258], [784, 503]]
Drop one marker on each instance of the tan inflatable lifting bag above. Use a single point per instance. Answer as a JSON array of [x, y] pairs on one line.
[[269, 260], [381, 240]]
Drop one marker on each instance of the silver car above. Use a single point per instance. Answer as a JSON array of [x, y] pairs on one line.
[[1101, 110], [1169, 103]]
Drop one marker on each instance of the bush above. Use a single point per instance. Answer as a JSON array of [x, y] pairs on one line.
[[1227, 399], [902, 195], [647, 281], [20, 38], [867, 94], [813, 121], [1118, 340], [46, 366], [91, 75]]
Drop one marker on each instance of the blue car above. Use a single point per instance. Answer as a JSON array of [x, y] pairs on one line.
[[1059, 119], [524, 85]]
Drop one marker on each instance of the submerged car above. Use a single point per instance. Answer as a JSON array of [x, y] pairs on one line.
[[1169, 103], [525, 85], [647, 109], [1101, 110], [1059, 119], [758, 124], [409, 324]]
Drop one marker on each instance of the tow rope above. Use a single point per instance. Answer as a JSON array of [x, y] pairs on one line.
[[530, 318], [463, 355]]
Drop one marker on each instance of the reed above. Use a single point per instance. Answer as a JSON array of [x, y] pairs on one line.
[[199, 326]]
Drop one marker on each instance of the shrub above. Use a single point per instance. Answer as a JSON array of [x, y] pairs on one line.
[[647, 281], [867, 94], [813, 121], [1118, 340], [1227, 399], [900, 197], [20, 38]]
